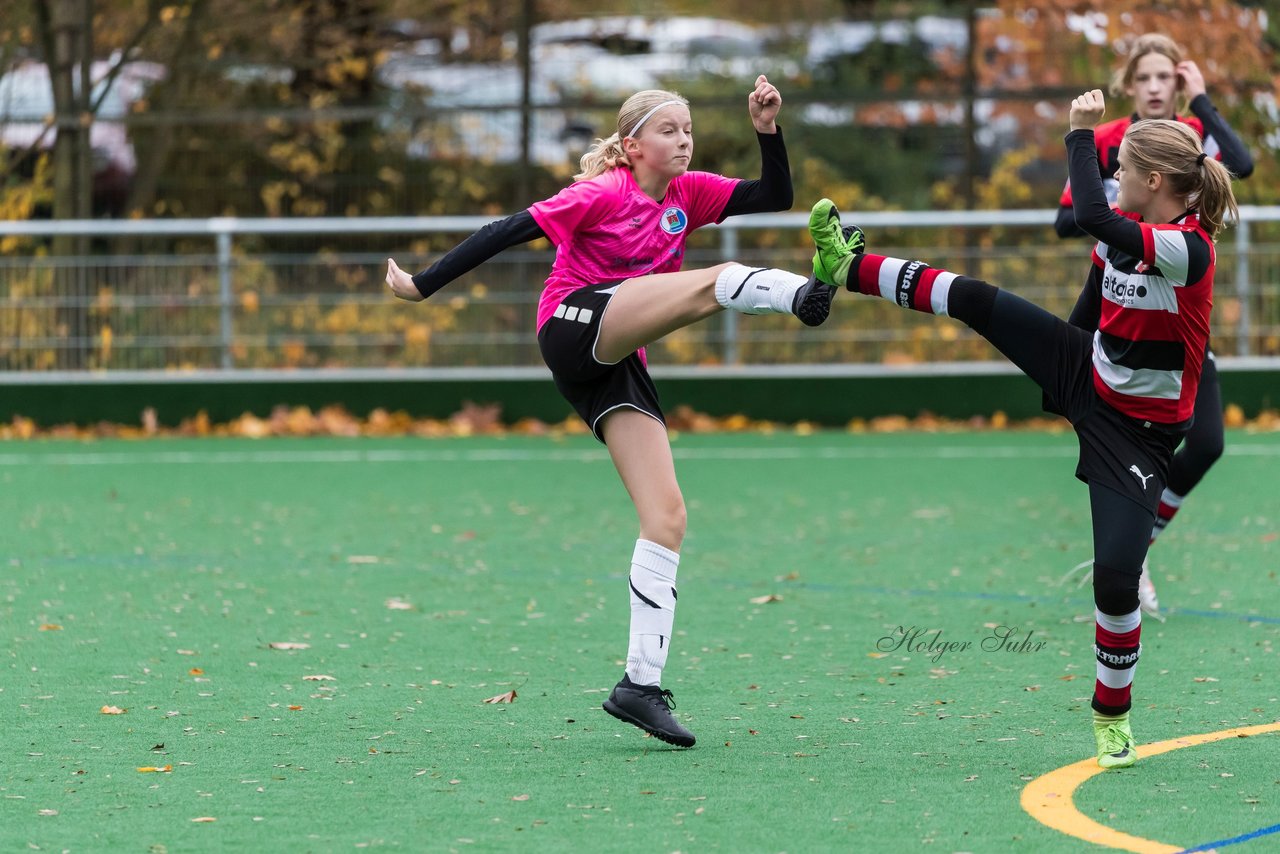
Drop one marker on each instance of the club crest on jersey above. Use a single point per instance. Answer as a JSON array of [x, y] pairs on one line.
[[673, 221]]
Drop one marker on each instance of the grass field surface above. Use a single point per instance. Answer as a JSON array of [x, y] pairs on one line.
[[873, 647]]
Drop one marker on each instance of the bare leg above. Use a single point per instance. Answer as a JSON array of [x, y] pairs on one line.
[[640, 450], [641, 453], [648, 307]]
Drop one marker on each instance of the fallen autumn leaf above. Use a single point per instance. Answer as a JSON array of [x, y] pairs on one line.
[[509, 697]]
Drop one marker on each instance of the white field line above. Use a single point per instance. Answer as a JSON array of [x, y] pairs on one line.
[[502, 455]]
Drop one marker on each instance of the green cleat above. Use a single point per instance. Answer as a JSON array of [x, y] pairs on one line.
[[836, 244], [1115, 741]]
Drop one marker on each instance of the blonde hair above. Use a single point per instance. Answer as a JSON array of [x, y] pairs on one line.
[[1145, 44], [606, 154], [1173, 149]]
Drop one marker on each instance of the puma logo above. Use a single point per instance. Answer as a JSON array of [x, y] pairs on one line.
[[1142, 477]]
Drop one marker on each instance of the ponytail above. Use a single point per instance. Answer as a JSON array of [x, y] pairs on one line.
[[1174, 150], [1216, 198], [603, 155]]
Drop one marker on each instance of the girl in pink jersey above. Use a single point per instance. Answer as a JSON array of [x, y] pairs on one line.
[[1128, 388], [615, 286]]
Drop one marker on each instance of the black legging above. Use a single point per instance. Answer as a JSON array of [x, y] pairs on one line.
[[1120, 543], [1044, 346], [1203, 444]]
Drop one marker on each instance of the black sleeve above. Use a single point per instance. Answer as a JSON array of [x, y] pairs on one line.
[[772, 191], [1065, 223], [1088, 309], [1089, 201], [1235, 155], [476, 249]]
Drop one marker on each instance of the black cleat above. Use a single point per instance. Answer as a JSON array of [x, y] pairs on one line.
[[648, 707], [812, 302]]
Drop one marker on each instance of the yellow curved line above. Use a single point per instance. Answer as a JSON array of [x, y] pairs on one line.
[[1049, 798]]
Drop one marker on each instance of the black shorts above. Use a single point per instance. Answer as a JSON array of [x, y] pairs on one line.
[[1117, 451], [592, 387]]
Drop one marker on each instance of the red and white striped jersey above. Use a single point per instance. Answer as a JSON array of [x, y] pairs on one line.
[[1154, 325]]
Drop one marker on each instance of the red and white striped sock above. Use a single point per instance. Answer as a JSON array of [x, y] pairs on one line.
[[1117, 647], [909, 284]]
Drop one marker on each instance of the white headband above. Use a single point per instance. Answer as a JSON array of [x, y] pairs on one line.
[[649, 115]]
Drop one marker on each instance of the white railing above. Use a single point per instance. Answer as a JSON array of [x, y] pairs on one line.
[[122, 290]]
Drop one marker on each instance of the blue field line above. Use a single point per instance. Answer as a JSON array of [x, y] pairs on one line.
[[1230, 615], [980, 595], [1210, 846], [185, 561]]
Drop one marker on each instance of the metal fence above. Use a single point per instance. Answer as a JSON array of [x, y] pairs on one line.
[[253, 294]]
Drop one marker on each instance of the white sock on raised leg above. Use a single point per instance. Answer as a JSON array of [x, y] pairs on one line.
[[757, 290]]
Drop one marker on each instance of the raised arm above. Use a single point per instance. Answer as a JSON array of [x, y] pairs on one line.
[[1093, 212], [466, 256], [772, 191], [1235, 154]]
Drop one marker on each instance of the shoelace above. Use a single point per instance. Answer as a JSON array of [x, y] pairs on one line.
[[1084, 579], [665, 697], [1114, 740]]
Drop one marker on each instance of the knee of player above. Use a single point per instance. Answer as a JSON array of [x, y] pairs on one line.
[[669, 519], [1115, 590]]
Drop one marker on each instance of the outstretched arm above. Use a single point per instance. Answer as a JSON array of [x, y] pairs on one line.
[[466, 256]]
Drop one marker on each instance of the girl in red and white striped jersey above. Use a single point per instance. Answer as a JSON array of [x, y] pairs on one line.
[[1156, 75], [1129, 387]]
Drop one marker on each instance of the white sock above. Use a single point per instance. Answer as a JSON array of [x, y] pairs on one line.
[[653, 610], [757, 290]]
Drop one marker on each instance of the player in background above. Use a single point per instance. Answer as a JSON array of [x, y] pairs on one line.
[[1157, 76], [1127, 388], [616, 286]]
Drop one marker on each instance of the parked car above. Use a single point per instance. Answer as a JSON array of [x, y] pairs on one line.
[[472, 108]]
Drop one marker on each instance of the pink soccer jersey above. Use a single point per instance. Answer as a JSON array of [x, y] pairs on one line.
[[606, 229]]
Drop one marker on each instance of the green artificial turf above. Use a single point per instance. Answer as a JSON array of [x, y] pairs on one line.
[[428, 575]]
